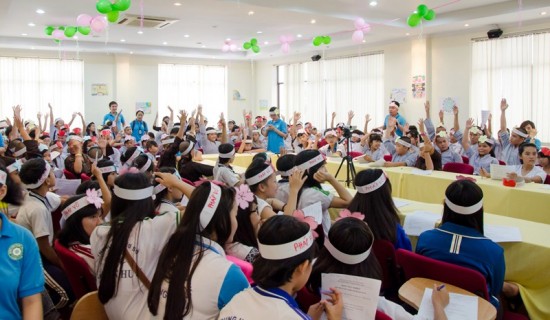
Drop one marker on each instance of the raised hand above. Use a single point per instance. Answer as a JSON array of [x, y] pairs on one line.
[[297, 116], [351, 114], [503, 105], [441, 115], [421, 125], [367, 119], [199, 109], [170, 109], [469, 123], [392, 121], [455, 110], [50, 106], [333, 115], [427, 106], [296, 180]]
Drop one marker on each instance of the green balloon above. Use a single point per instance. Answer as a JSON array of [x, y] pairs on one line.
[[413, 20], [256, 49], [317, 41], [70, 32], [61, 28], [57, 41], [49, 30], [422, 10], [253, 41], [327, 39], [103, 6], [84, 30], [121, 5], [247, 45], [112, 16], [430, 15]]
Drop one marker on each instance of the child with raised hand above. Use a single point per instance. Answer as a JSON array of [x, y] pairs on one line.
[[481, 154], [285, 168], [510, 142], [401, 153], [223, 171], [166, 199], [374, 150], [332, 148], [287, 249], [429, 158], [193, 279]]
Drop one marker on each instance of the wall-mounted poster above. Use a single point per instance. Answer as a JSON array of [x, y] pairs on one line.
[[399, 95], [144, 106], [99, 89], [419, 87], [237, 95]]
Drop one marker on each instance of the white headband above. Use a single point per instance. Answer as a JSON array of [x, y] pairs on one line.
[[464, 210], [256, 131], [519, 133], [403, 143], [356, 135], [211, 131], [92, 197], [211, 205], [53, 147], [42, 147], [474, 130], [75, 137], [248, 141], [189, 148], [20, 152], [373, 186], [393, 104], [107, 169], [128, 194], [344, 257], [133, 157], [311, 163], [168, 141], [16, 166], [158, 188], [145, 166], [332, 133], [3, 177], [260, 176], [484, 139], [228, 155], [442, 134], [286, 250], [41, 180], [287, 173]]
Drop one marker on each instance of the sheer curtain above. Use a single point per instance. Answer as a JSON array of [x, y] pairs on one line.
[[515, 68], [316, 89], [186, 86], [33, 83]]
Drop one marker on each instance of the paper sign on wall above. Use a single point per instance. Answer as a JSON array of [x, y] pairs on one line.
[[419, 87]]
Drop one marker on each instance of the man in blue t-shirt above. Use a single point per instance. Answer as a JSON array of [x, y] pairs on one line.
[[394, 113], [275, 130], [121, 123]]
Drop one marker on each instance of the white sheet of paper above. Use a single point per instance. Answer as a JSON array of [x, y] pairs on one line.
[[360, 294], [377, 164], [484, 116], [315, 210], [66, 187], [498, 172], [184, 201], [399, 203], [460, 307], [502, 233], [420, 221], [421, 172]]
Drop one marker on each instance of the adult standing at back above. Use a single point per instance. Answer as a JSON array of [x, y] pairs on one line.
[[275, 130], [394, 113], [139, 127], [112, 115]]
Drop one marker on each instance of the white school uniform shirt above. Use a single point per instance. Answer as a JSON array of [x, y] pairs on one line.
[[449, 156], [535, 172], [148, 238], [310, 196], [356, 147], [35, 215], [282, 191], [262, 204], [215, 281], [324, 150], [510, 153], [457, 148], [166, 207], [226, 175]]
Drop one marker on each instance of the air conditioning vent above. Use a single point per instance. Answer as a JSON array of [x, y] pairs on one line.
[[148, 22]]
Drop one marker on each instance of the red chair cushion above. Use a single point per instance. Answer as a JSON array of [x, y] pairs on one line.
[[385, 254], [85, 177], [547, 181], [502, 163], [457, 167], [355, 154], [69, 175], [465, 160], [81, 279], [388, 157]]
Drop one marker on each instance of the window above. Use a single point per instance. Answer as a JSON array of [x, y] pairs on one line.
[[518, 69], [316, 89], [33, 83], [186, 86]]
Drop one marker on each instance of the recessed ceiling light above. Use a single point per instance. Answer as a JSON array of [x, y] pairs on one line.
[[140, 32], [466, 25], [228, 39], [312, 21], [40, 11], [364, 41], [32, 48], [373, 3], [250, 13], [122, 40], [186, 36], [131, 52], [31, 24], [203, 46], [259, 32], [299, 35], [266, 42], [75, 37], [165, 43], [177, 4], [543, 13], [407, 34], [23, 34]]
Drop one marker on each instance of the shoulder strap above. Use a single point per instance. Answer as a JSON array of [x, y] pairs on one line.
[[137, 270]]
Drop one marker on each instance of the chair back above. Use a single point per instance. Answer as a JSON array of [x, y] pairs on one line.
[[354, 154], [238, 145], [388, 157], [69, 175], [385, 254], [465, 160], [547, 180], [246, 267], [457, 167], [81, 279], [418, 266], [85, 177], [89, 307], [502, 163]]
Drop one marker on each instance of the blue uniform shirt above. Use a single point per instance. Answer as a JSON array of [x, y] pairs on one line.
[[20, 268], [275, 141], [400, 120], [110, 117]]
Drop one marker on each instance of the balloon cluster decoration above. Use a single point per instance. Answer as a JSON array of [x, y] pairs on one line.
[[361, 27], [228, 45], [422, 11], [112, 9], [285, 43], [253, 44], [319, 40]]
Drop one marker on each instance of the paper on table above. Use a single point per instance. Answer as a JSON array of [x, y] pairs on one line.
[[377, 164], [502, 233], [421, 172], [66, 187], [315, 210], [420, 221], [360, 294], [498, 172], [460, 307], [400, 202]]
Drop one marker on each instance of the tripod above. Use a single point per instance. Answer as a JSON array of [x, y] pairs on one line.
[[350, 172]]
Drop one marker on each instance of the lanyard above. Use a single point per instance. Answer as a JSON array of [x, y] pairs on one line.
[[277, 293]]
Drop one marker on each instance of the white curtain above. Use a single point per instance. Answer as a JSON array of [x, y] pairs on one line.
[[518, 69], [186, 86], [33, 83], [316, 89]]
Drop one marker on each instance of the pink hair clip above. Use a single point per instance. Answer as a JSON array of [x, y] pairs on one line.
[[348, 214], [94, 197], [299, 214], [244, 196], [126, 170]]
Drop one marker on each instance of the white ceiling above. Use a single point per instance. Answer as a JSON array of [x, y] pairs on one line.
[[209, 22]]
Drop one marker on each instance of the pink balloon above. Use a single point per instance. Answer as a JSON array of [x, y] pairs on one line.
[[282, 39], [285, 48], [225, 48], [359, 23], [357, 36], [98, 24], [58, 34], [83, 20], [233, 47]]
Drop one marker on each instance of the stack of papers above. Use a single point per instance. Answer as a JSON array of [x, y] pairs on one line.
[[502, 233], [460, 307], [420, 221]]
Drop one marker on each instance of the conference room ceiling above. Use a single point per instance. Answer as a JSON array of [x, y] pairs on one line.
[[201, 27]]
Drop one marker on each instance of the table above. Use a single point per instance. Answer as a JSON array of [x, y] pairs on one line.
[[529, 202], [412, 292]]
